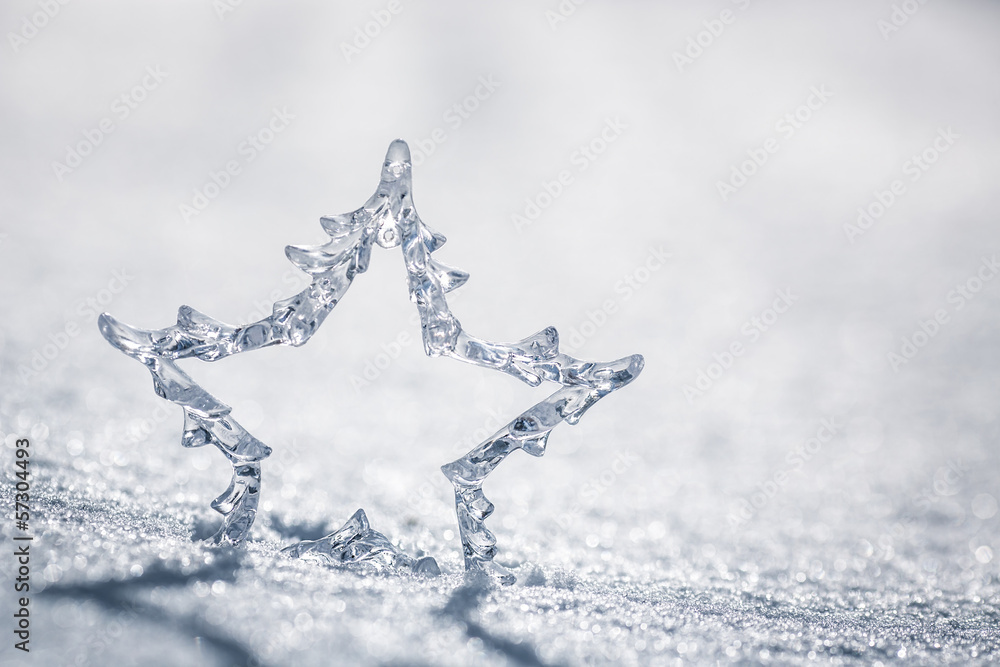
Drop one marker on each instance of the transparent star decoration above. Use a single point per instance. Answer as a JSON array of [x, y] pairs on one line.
[[388, 219]]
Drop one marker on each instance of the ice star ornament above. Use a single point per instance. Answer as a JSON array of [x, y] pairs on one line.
[[388, 219]]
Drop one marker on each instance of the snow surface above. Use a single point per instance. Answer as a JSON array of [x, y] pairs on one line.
[[878, 545]]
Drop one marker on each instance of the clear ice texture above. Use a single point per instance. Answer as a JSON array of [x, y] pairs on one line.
[[388, 219], [356, 542]]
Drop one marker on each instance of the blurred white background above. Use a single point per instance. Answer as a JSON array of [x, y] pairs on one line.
[[500, 100]]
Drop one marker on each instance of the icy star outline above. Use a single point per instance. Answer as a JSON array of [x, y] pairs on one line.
[[389, 219]]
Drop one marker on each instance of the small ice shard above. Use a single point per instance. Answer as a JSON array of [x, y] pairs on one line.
[[388, 219], [356, 542]]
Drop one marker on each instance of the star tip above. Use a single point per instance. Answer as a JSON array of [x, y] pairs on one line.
[[398, 151]]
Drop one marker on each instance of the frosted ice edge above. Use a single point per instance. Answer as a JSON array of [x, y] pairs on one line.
[[388, 219], [357, 543]]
